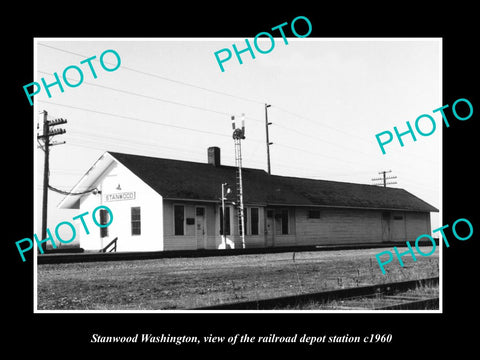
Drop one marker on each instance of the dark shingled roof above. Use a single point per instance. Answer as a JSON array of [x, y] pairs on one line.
[[176, 179]]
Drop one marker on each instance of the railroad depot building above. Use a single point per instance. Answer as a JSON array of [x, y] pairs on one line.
[[163, 204]]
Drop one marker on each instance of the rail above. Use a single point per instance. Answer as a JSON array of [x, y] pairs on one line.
[[325, 296]]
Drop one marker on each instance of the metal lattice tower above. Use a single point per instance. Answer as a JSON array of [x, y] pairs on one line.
[[238, 136]]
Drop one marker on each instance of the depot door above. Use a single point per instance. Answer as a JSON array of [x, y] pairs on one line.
[[200, 233], [386, 215]]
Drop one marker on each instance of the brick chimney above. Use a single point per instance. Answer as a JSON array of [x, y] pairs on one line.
[[214, 156]]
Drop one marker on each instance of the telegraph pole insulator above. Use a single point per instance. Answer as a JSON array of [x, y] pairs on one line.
[[385, 178]]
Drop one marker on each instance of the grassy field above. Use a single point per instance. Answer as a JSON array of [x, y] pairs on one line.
[[185, 283]]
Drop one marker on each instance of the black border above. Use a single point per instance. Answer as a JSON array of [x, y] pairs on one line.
[[422, 333]]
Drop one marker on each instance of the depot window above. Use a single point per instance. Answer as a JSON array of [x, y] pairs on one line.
[[281, 222], [314, 214], [227, 221], [179, 219], [104, 218], [136, 221], [254, 220]]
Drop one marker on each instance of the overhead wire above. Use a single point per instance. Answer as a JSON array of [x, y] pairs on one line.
[[317, 123], [137, 146], [70, 192], [209, 110], [53, 188], [280, 165], [198, 107], [164, 77], [149, 97], [133, 118], [335, 129]]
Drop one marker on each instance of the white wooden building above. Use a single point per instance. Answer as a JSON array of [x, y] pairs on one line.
[[163, 204]]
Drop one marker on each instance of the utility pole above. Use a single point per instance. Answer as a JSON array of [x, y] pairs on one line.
[[385, 178], [46, 150], [267, 138], [47, 134]]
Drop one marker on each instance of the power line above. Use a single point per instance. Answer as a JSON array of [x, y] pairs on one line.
[[356, 151], [338, 130], [279, 164], [205, 109], [135, 119], [189, 129], [135, 146], [165, 78], [195, 107], [317, 123], [130, 140], [73, 142], [71, 193], [150, 97], [316, 154], [215, 111], [212, 110]]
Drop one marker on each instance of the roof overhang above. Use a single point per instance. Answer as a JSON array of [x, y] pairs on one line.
[[302, 205], [88, 181]]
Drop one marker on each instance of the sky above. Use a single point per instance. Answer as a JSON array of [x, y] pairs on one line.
[[169, 99]]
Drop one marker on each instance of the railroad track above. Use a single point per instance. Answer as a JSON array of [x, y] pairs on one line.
[[391, 296]]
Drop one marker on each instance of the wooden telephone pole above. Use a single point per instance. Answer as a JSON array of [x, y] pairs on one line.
[[385, 178], [45, 137], [267, 138]]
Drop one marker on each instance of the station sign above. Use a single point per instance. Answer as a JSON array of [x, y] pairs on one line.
[[120, 196]]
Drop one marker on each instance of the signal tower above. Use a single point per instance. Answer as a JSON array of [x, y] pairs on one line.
[[238, 136]]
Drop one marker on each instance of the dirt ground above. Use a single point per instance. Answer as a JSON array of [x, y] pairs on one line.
[[186, 283]]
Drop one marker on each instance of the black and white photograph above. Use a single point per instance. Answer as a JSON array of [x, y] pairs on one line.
[[226, 183], [262, 185]]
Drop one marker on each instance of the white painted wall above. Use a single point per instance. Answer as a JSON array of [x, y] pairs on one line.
[[149, 201]]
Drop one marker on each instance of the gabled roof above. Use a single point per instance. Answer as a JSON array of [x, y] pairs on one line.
[[176, 179]]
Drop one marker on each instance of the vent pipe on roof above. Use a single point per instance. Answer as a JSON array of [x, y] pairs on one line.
[[214, 156]]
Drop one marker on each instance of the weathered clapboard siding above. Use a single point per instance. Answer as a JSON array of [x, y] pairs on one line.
[[356, 226], [417, 224], [285, 240], [258, 240], [338, 226], [335, 226], [189, 240], [251, 241], [398, 226], [180, 242], [255, 241]]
